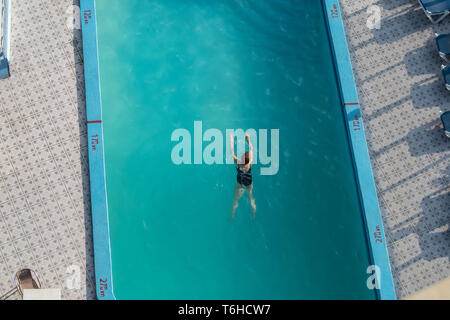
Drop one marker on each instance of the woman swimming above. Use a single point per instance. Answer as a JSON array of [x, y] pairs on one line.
[[244, 176]]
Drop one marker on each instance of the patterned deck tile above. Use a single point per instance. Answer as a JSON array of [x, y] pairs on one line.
[[45, 218], [44, 214], [397, 70]]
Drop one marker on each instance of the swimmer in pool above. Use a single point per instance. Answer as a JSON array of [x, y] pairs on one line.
[[244, 176]]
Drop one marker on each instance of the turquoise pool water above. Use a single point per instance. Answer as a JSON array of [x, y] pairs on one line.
[[231, 64]]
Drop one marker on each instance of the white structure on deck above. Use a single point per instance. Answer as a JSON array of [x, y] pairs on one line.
[[5, 22]]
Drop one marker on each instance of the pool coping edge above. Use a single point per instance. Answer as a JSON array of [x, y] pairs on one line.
[[99, 206], [360, 154]]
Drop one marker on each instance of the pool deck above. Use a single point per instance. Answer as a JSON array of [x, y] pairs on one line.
[[45, 220], [401, 90]]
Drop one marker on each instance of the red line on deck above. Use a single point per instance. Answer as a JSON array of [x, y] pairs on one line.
[[351, 104], [97, 121]]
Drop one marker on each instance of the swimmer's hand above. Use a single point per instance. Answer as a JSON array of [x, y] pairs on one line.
[[232, 148], [247, 137]]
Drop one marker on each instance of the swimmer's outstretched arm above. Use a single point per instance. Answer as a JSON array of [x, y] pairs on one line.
[[232, 148], [250, 147]]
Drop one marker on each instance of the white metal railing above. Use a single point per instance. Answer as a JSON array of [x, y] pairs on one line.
[[4, 38], [2, 27]]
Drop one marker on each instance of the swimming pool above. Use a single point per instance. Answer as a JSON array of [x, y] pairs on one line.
[[162, 230]]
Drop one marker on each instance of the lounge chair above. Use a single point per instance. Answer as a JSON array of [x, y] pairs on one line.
[[26, 279], [446, 75], [443, 45], [445, 118], [436, 8]]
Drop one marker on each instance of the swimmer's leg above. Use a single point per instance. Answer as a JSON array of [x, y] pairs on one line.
[[238, 192], [252, 200]]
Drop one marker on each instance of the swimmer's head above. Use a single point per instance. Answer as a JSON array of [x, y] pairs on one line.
[[245, 159]]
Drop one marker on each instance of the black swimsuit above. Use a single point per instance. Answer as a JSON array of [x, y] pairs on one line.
[[244, 177]]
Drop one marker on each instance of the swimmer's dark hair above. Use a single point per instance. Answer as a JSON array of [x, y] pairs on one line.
[[247, 157]]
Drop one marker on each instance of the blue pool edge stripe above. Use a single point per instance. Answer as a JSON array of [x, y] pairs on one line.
[[362, 165], [99, 206]]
